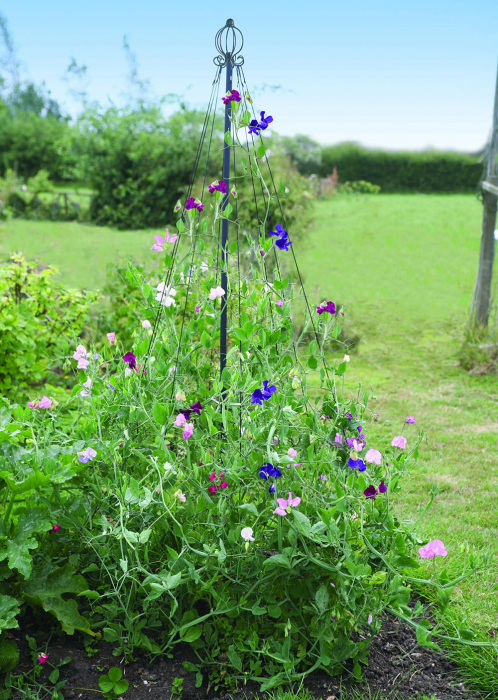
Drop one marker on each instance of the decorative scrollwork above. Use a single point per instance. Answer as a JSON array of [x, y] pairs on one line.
[[229, 42]]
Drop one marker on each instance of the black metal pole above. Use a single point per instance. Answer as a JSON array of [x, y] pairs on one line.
[[224, 227]]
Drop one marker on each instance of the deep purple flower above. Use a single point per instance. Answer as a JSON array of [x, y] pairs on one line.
[[130, 360], [196, 408], [356, 464], [269, 470], [218, 186], [258, 396], [329, 307], [272, 488], [232, 96], [382, 487], [262, 252], [192, 204], [350, 416], [371, 492]]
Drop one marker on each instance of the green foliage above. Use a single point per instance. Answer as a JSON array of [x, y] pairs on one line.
[[113, 684], [137, 162], [29, 143], [37, 316], [358, 187], [403, 171]]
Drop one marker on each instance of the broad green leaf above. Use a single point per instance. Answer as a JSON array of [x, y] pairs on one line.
[[105, 684], [261, 151], [9, 610], [249, 508], [115, 674], [228, 138], [312, 362], [191, 633], [121, 686], [322, 598], [159, 413], [234, 658], [278, 560], [302, 523]]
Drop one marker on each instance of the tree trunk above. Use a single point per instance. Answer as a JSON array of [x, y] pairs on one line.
[[482, 295]]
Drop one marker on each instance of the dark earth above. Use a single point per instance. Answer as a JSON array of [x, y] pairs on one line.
[[397, 669]]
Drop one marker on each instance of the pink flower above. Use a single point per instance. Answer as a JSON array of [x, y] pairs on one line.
[[338, 439], [433, 549], [44, 402], [43, 658], [212, 476], [399, 441], [284, 504], [188, 430], [357, 446], [111, 337], [55, 528], [280, 303], [181, 496], [197, 309], [162, 240], [80, 355], [373, 457], [275, 440], [410, 419], [370, 618], [223, 485], [216, 292], [292, 453], [146, 324], [180, 420], [212, 489]]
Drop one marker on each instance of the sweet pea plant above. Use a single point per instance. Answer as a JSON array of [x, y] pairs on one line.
[[246, 514]]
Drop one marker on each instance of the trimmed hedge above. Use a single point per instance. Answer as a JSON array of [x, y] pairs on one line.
[[403, 171]]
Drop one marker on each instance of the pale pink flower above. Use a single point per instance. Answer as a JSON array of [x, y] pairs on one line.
[[162, 240], [111, 337], [180, 420], [81, 355], [370, 618], [433, 549], [373, 457], [180, 396], [88, 385], [399, 441], [284, 504], [280, 303], [181, 496], [146, 324], [292, 453], [338, 439], [216, 292], [188, 430], [358, 446], [128, 371], [44, 402]]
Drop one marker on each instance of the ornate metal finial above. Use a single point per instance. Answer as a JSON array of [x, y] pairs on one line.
[[229, 42]]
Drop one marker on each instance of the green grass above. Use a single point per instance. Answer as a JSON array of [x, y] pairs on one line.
[[405, 266]]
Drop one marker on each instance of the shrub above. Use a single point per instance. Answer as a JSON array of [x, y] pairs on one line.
[[37, 319], [403, 171]]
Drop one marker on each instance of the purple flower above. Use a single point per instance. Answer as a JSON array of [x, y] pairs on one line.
[[269, 470], [382, 487], [218, 187], [410, 419], [195, 408], [329, 307], [232, 96], [258, 396], [272, 488], [280, 303], [86, 455], [109, 386], [130, 360], [323, 477], [192, 203], [262, 253], [255, 127], [371, 492]]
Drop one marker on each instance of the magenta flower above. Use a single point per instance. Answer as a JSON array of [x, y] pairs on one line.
[[399, 441], [284, 504], [111, 337], [192, 203], [328, 307], [130, 360], [280, 303], [86, 455], [433, 549], [223, 485], [410, 419], [218, 187], [197, 309], [212, 489], [55, 528], [43, 658], [232, 96], [188, 430], [81, 355], [212, 476], [373, 457]]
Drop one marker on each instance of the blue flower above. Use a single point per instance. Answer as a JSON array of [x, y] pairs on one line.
[[255, 127], [272, 488], [282, 241], [258, 396], [356, 464], [109, 386], [269, 470]]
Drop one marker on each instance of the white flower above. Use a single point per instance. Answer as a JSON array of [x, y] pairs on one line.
[[204, 266], [247, 534], [345, 358], [127, 372], [216, 292], [88, 385], [146, 324], [165, 294]]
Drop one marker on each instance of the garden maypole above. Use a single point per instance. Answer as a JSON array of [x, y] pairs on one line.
[[229, 42], [482, 292]]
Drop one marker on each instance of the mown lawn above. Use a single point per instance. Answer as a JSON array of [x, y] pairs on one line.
[[404, 266]]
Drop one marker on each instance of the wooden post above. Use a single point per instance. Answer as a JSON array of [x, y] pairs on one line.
[[482, 293]]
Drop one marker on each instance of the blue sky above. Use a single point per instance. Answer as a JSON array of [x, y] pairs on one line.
[[396, 74]]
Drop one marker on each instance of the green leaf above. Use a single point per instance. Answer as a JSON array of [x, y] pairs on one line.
[[240, 335], [403, 560], [258, 610], [302, 523], [228, 138], [106, 685], [121, 687], [274, 611], [249, 508], [89, 594], [278, 560], [46, 588], [206, 340], [261, 151], [322, 598], [312, 362], [191, 634], [115, 674], [54, 676], [159, 413], [180, 226], [234, 658]]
